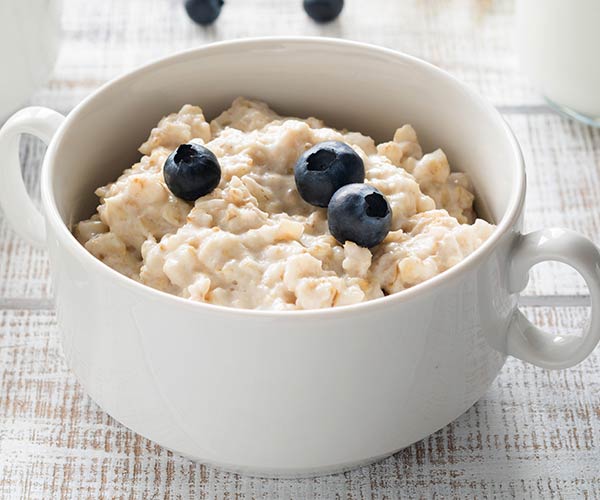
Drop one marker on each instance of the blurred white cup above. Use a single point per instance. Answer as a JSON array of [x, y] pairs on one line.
[[29, 42], [559, 41]]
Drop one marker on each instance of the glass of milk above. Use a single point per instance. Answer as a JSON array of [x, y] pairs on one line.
[[29, 42], [559, 41]]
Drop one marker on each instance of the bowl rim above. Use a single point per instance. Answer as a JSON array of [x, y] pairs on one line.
[[69, 242]]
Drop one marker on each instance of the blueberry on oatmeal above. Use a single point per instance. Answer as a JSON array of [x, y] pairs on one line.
[[253, 242], [325, 168], [359, 213], [191, 171]]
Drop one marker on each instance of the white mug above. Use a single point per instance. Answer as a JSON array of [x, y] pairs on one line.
[[289, 393], [29, 43], [559, 42]]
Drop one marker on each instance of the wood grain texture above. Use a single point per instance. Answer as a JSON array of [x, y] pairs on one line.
[[563, 189], [23, 269], [535, 434], [473, 39]]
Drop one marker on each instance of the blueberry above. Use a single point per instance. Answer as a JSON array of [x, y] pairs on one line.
[[323, 11], [203, 12], [325, 168], [359, 213], [191, 171]]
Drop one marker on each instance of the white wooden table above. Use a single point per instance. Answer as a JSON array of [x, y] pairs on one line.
[[535, 434]]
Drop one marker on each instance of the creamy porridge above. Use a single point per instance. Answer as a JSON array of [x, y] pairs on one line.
[[253, 242]]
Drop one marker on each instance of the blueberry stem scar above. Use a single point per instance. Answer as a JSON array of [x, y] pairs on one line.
[[376, 205]]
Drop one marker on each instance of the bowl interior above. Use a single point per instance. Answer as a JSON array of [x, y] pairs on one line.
[[351, 86]]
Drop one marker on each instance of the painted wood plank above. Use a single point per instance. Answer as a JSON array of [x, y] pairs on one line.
[[563, 182], [535, 434], [473, 39], [24, 269]]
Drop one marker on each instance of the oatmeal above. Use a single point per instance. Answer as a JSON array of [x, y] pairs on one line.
[[253, 242]]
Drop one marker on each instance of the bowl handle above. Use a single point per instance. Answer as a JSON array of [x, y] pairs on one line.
[[18, 207], [525, 340]]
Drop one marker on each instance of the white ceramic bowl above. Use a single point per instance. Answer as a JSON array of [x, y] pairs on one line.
[[303, 392]]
